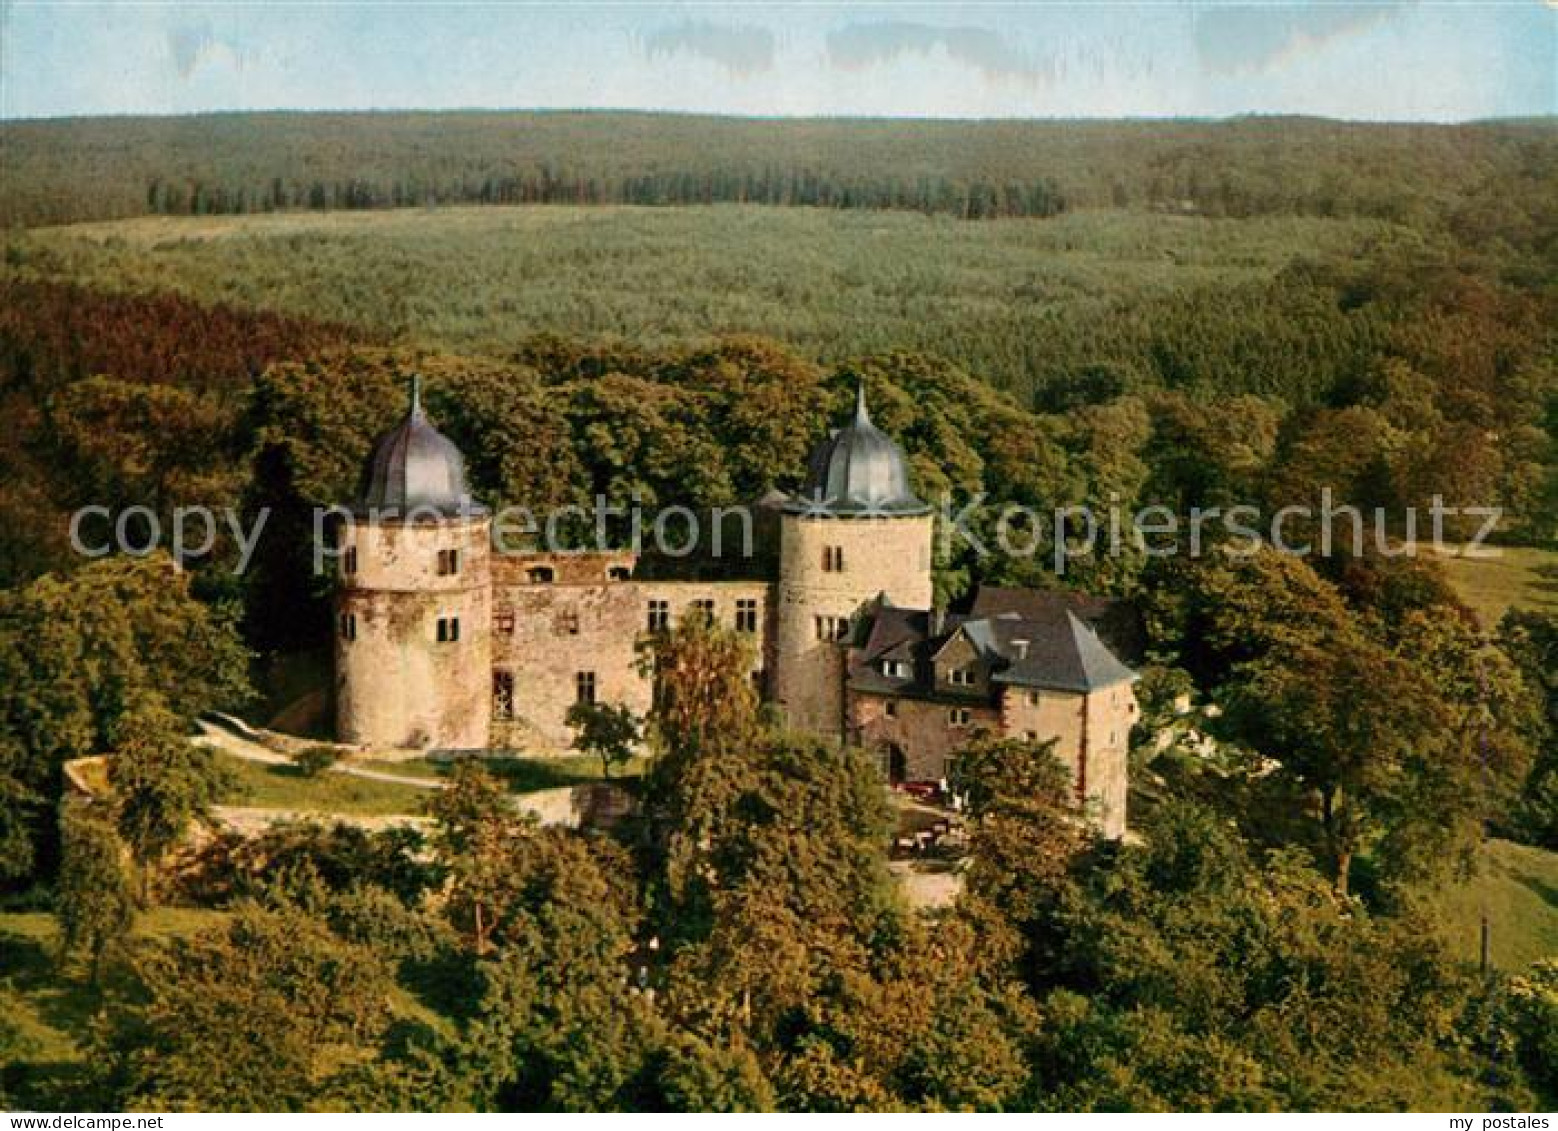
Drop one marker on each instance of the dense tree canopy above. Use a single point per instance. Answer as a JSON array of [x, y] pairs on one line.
[[80, 655]]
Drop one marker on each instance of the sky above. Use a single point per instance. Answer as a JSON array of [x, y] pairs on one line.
[[1389, 60]]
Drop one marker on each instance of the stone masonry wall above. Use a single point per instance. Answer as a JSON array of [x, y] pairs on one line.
[[546, 633], [1099, 723], [397, 685], [891, 555], [1111, 712], [921, 728]]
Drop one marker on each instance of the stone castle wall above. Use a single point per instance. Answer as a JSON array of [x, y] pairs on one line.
[[921, 728], [1093, 733], [397, 684], [538, 621], [884, 554], [587, 618], [1111, 712]]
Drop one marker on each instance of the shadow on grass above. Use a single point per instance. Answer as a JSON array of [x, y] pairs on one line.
[[1548, 893], [61, 998], [1548, 573], [528, 775]]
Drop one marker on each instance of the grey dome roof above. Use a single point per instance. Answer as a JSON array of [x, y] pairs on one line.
[[857, 470], [414, 467]]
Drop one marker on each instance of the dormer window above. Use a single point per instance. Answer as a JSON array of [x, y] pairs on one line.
[[541, 575], [895, 669], [961, 677]]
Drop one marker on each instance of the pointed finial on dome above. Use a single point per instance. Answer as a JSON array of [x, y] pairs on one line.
[[416, 394], [862, 416]]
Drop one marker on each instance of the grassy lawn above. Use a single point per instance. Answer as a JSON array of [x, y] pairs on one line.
[[523, 775], [1520, 576], [1519, 886], [283, 787], [51, 1004]]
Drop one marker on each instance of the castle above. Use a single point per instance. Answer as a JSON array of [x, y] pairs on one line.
[[441, 642]]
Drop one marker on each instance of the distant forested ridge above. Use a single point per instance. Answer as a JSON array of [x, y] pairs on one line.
[[110, 168]]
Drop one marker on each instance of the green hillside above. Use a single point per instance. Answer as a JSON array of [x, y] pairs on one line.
[[1517, 886]]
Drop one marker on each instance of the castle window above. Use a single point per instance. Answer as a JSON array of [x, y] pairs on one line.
[[349, 560], [349, 626], [502, 695], [959, 716], [541, 575], [448, 563], [584, 687], [503, 621], [832, 629], [833, 559], [705, 605], [746, 614], [568, 623], [659, 615], [894, 669], [618, 573], [448, 630], [890, 708], [961, 677], [1034, 698]]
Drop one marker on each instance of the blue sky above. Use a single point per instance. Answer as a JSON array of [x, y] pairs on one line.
[[1403, 59]]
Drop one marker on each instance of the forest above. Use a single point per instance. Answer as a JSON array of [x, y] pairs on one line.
[[69, 171], [1366, 309]]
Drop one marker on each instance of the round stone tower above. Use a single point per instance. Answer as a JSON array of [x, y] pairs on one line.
[[413, 645], [855, 531]]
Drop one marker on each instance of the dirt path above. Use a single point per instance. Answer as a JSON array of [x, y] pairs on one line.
[[225, 735]]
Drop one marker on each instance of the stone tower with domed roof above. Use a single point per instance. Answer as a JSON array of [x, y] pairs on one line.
[[413, 654], [855, 532]]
